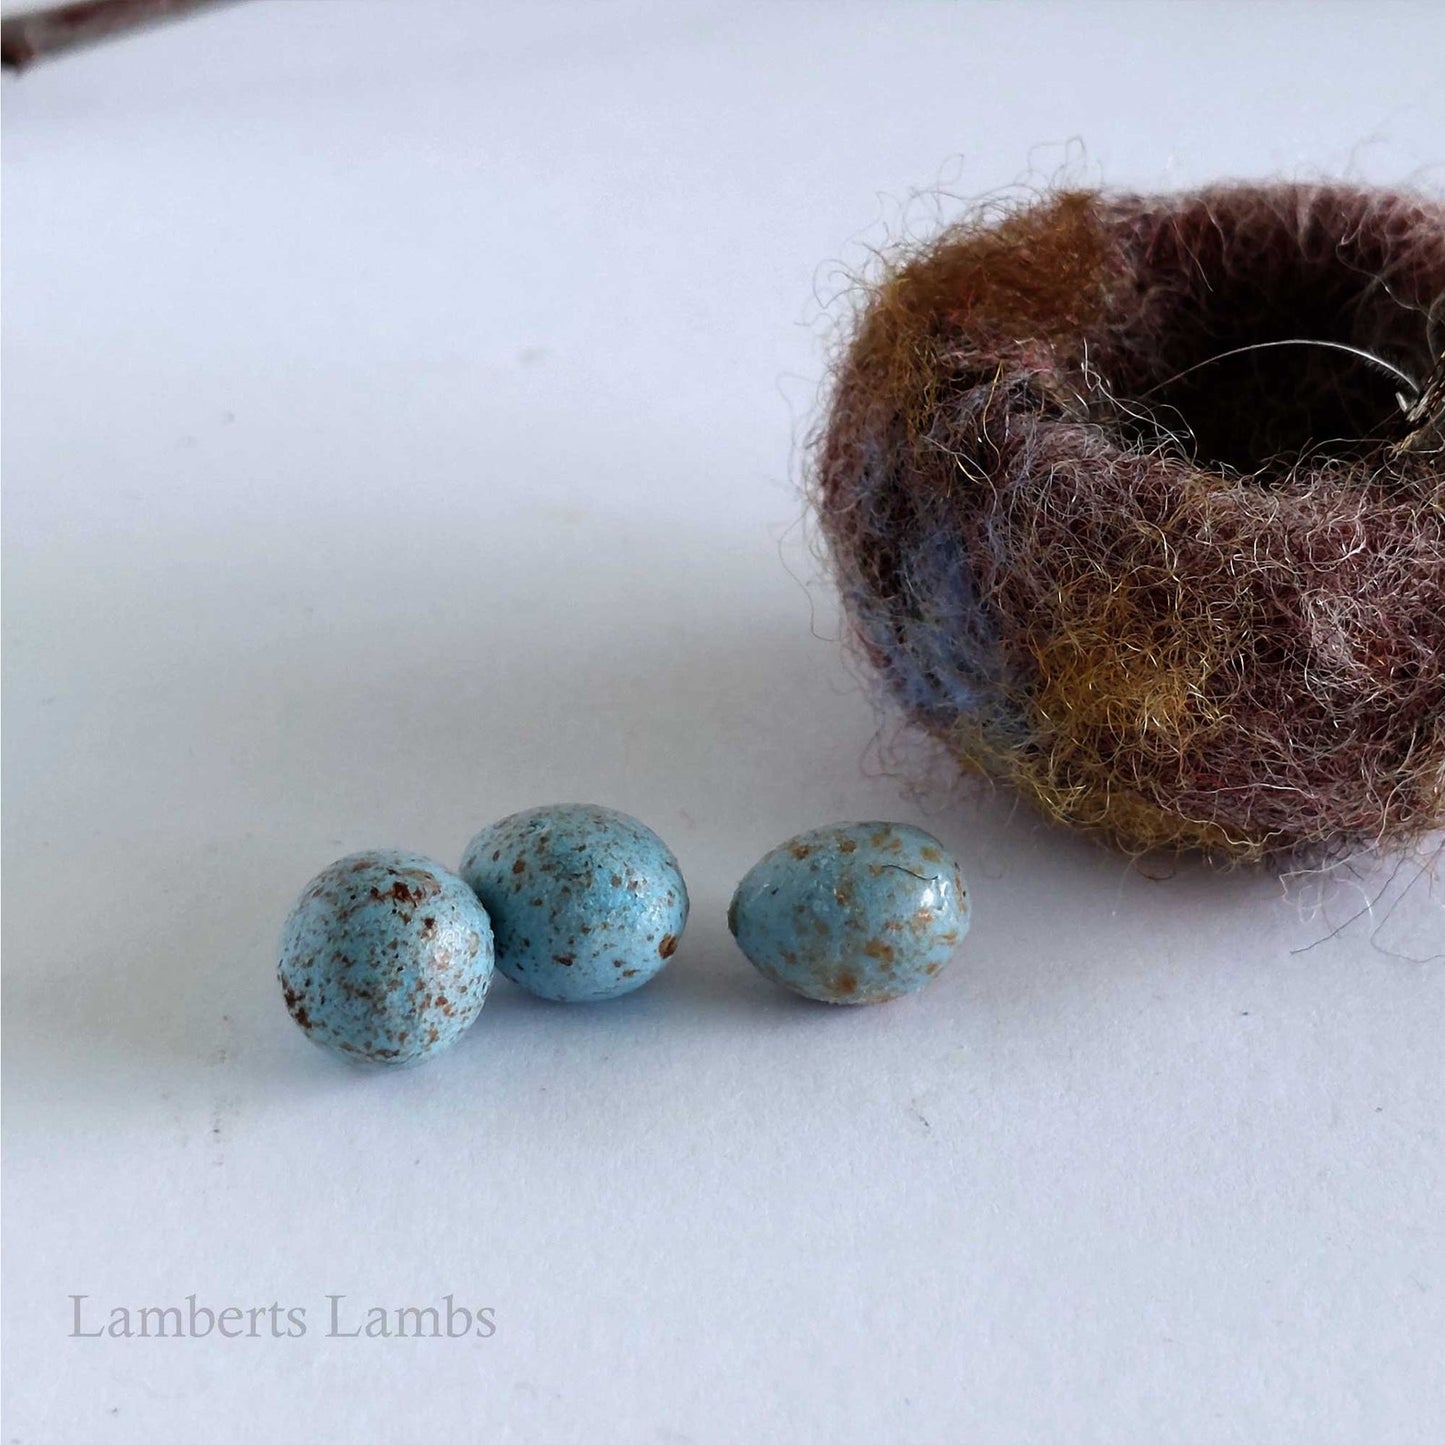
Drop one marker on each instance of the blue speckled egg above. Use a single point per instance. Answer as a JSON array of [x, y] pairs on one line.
[[386, 957], [853, 913], [586, 903]]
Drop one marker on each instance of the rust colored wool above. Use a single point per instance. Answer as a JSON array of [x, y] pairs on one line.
[[1138, 505]]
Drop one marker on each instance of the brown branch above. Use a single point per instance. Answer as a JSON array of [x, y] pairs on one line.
[[40, 34]]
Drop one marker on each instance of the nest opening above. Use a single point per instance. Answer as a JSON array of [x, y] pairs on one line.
[[1233, 368]]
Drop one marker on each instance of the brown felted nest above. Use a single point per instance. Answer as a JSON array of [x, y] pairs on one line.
[[1138, 504]]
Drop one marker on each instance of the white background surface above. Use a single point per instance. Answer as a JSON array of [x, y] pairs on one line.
[[401, 420]]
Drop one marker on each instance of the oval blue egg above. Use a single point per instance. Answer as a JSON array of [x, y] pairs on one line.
[[386, 957], [586, 903], [852, 913]]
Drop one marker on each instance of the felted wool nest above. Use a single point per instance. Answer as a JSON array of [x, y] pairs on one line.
[[1116, 527]]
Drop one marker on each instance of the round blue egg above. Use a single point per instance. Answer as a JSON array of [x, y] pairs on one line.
[[386, 957], [586, 903], [853, 913]]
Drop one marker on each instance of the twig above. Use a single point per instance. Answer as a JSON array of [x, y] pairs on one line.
[[40, 34]]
